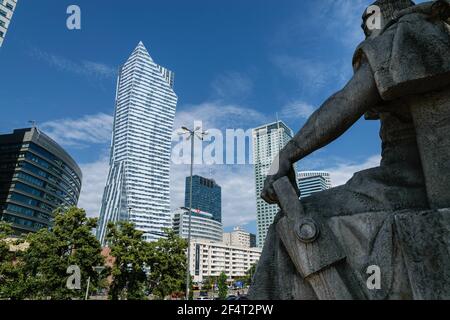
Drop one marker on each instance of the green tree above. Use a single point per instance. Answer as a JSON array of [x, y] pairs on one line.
[[11, 277], [51, 251], [167, 265], [131, 254], [248, 278], [222, 285], [208, 284], [191, 289]]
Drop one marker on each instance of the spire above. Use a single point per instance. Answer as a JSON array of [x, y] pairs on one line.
[[141, 49]]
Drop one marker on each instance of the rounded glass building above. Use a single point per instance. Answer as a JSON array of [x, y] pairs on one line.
[[36, 177]]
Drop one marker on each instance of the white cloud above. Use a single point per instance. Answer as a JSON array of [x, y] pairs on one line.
[[94, 181], [341, 19], [84, 68], [238, 195], [237, 181], [232, 85], [90, 129], [238, 190], [341, 173], [297, 110], [311, 75], [219, 115]]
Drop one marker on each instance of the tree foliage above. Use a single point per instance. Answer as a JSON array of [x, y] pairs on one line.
[[139, 268], [167, 264], [131, 253], [11, 279], [40, 271], [222, 285], [51, 251]]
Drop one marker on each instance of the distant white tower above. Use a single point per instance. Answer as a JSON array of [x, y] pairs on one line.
[[268, 140], [7, 8], [137, 189], [310, 182]]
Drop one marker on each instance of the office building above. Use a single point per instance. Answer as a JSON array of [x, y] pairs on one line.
[[206, 196], [137, 188], [7, 8], [310, 182], [268, 140], [203, 226], [239, 238], [210, 259], [36, 177]]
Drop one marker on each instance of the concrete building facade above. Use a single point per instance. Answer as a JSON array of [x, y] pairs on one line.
[[268, 140], [210, 259], [239, 238], [203, 226]]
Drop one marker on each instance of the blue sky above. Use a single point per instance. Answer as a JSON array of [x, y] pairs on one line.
[[237, 64]]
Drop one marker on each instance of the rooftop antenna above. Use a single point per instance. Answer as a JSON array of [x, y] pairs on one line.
[[33, 123], [210, 172], [34, 126]]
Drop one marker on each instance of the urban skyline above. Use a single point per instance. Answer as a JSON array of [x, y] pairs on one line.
[[96, 130], [78, 114]]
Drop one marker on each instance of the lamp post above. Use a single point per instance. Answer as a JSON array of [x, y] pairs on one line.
[[191, 134]]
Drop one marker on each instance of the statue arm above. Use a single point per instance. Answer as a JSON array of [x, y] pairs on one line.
[[329, 122], [335, 116]]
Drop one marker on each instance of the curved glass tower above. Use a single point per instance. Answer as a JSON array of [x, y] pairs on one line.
[[36, 177], [137, 189]]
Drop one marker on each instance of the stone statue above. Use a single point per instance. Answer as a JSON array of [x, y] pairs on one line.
[[386, 233]]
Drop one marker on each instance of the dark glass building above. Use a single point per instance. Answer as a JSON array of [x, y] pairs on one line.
[[36, 177], [206, 196], [252, 240]]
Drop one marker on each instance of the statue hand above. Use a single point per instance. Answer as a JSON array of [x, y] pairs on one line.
[[281, 167]]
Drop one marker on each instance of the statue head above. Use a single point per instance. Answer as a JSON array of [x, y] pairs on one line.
[[377, 15]]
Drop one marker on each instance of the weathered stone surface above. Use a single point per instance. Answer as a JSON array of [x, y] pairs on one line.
[[411, 247], [395, 216]]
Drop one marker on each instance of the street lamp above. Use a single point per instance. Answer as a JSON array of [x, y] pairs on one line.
[[191, 134]]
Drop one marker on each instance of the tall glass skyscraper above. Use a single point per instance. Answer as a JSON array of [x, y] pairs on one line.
[[36, 177], [268, 140], [7, 8], [206, 196], [137, 189], [310, 182]]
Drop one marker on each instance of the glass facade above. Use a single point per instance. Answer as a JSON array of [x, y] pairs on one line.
[[36, 177], [206, 196], [203, 226], [137, 188], [7, 8], [268, 140]]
